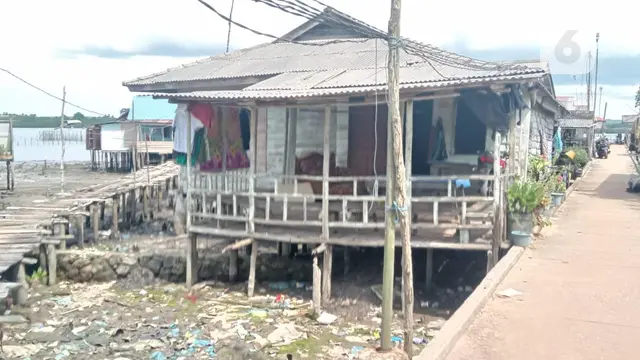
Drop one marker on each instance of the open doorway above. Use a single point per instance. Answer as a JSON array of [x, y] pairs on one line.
[[422, 124], [470, 132]]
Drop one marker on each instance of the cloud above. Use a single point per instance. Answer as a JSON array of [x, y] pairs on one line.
[[612, 69], [157, 48]]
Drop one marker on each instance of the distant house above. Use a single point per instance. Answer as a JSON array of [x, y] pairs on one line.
[[73, 124], [147, 130], [546, 112]]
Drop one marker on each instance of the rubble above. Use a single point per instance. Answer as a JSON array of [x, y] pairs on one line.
[[165, 322]]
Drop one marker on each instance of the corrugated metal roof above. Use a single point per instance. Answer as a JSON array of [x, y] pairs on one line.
[[301, 92], [576, 123], [279, 58], [418, 62]]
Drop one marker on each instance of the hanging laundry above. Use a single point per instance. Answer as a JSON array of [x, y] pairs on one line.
[[180, 125], [227, 119], [180, 133]]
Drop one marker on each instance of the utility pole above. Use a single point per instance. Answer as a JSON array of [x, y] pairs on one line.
[[604, 117], [600, 101], [595, 88], [64, 100], [589, 81], [396, 198], [233, 2]]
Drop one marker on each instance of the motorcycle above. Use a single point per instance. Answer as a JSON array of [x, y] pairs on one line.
[[485, 167], [602, 150]]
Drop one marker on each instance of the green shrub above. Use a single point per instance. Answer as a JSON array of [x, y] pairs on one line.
[[525, 196], [582, 157]]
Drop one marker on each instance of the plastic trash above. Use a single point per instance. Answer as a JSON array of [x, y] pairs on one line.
[[158, 355]]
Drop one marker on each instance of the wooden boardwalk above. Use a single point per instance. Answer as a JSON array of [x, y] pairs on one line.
[[43, 226]]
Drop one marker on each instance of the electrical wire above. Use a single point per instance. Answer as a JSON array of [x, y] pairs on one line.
[[260, 33], [426, 52], [50, 94]]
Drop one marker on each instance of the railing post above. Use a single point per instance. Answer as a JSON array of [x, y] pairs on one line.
[[497, 196]]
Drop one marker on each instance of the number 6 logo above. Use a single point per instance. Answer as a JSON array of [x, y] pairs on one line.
[[566, 56], [565, 43]]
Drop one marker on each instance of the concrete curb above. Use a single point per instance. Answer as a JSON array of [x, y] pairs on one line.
[[454, 328]]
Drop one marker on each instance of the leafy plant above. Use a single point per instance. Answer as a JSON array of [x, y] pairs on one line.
[[557, 184], [538, 167], [39, 275], [525, 196], [582, 157]]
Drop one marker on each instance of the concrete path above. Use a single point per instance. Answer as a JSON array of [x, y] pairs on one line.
[[580, 284]]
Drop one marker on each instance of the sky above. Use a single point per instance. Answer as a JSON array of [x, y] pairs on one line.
[[90, 47]]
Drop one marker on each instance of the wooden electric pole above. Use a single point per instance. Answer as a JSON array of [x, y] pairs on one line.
[[396, 198], [64, 100]]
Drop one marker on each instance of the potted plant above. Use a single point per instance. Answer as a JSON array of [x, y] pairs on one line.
[[558, 188], [523, 198]]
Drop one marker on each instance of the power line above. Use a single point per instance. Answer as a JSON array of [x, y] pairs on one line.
[[427, 53], [50, 94], [227, 19]]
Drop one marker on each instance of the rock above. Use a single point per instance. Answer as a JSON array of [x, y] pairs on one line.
[[98, 340], [123, 270], [86, 273], [114, 260], [154, 263], [81, 262], [102, 271]]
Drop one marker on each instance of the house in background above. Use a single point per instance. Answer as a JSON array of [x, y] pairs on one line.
[[545, 114], [146, 137]]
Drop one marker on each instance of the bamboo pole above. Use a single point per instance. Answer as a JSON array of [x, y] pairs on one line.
[[400, 203], [327, 258], [253, 133]]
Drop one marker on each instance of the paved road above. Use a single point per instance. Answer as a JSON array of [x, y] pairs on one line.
[[580, 284]]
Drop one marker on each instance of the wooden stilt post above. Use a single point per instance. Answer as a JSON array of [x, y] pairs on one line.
[[429, 271], [59, 229], [13, 175], [158, 198], [346, 260], [80, 223], [233, 265], [145, 202], [192, 259], [133, 204], [252, 268], [42, 257], [327, 259], [21, 278], [95, 222], [123, 209], [317, 276], [8, 175], [115, 234], [101, 205], [52, 261], [253, 134]]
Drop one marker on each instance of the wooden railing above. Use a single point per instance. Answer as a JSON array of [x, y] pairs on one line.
[[226, 199]]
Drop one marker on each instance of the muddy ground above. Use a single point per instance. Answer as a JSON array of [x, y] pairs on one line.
[[40, 180], [164, 321]]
